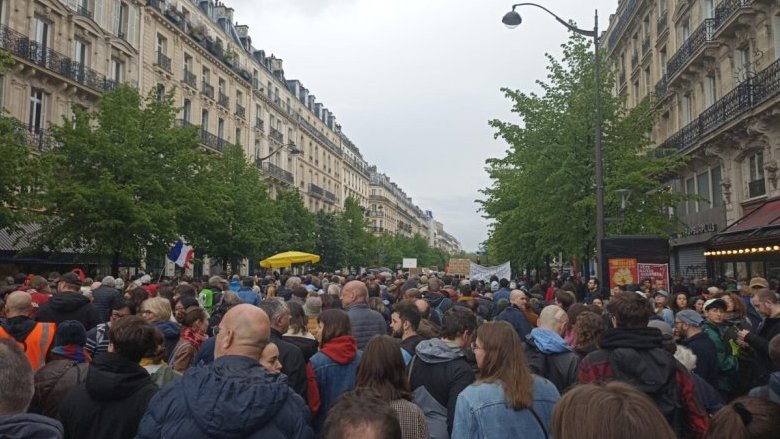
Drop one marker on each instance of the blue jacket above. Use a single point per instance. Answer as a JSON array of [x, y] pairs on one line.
[[335, 369], [171, 331], [482, 412], [517, 318], [29, 425], [234, 397], [246, 295], [365, 323]]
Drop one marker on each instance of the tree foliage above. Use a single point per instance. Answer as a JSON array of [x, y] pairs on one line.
[[119, 179], [542, 199], [294, 228]]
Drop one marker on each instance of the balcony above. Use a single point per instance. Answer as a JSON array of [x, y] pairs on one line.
[[223, 100], [330, 197], [83, 11], [376, 214], [663, 24], [691, 49], [163, 62], [190, 79], [277, 173], [38, 139], [22, 47], [376, 229], [260, 124], [622, 23], [728, 12], [316, 190], [212, 141], [746, 96], [240, 111], [277, 135], [207, 89], [662, 87]]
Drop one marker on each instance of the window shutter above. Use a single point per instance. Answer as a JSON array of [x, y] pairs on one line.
[[115, 17], [98, 14], [132, 26]]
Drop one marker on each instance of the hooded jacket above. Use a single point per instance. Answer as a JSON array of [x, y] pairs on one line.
[[728, 364], [636, 356], [517, 318], [293, 363], [69, 306], [771, 391], [441, 368], [233, 397], [551, 357], [29, 426], [111, 402], [759, 341], [334, 370], [18, 327], [171, 331]]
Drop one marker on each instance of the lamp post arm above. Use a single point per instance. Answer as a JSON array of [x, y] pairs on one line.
[[587, 33], [262, 159]]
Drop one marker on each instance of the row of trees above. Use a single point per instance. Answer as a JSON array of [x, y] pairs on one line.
[[542, 198], [126, 181]]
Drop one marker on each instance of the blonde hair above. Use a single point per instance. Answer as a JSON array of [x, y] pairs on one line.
[[160, 307]]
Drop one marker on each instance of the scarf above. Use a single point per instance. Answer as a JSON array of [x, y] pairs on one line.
[[72, 352], [196, 337]]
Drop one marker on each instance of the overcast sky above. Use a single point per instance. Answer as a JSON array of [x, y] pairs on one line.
[[414, 82]]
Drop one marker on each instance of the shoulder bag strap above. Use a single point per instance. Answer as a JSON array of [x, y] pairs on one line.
[[539, 421]]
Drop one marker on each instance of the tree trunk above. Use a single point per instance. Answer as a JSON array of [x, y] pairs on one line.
[[115, 263]]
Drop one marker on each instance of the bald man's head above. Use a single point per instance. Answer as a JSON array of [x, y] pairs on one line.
[[424, 307], [354, 291], [18, 303], [554, 318], [518, 298], [244, 330]]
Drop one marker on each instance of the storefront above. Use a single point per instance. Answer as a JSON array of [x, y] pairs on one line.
[[750, 247], [687, 258]]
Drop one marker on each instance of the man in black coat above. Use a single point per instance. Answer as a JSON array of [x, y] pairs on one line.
[[114, 397], [291, 356], [767, 304], [687, 326], [104, 297], [69, 304], [514, 314]]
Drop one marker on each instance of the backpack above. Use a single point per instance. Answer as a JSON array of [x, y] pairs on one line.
[[666, 397], [437, 312], [435, 413]]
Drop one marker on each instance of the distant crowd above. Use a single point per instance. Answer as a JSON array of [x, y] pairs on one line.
[[387, 355]]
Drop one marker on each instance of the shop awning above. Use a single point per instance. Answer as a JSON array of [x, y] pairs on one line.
[[759, 226]]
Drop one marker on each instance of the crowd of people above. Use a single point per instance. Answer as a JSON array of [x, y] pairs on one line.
[[386, 355]]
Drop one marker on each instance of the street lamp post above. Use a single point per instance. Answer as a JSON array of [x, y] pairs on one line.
[[290, 147], [512, 20]]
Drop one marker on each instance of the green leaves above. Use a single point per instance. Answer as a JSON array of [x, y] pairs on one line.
[[542, 200]]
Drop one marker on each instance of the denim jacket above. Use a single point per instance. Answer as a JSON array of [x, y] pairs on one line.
[[482, 412]]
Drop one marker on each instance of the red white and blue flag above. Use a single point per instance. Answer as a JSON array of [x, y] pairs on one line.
[[181, 254]]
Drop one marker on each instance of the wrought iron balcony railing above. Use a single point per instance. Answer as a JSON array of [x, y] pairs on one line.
[[212, 141], [32, 51], [691, 47], [83, 11], [190, 78], [240, 111], [277, 135], [38, 138], [223, 100], [164, 62], [207, 89], [316, 190], [278, 173], [728, 9], [259, 124]]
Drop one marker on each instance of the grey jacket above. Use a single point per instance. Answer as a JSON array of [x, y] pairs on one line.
[[365, 322]]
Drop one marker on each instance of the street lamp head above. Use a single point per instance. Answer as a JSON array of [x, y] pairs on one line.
[[512, 19]]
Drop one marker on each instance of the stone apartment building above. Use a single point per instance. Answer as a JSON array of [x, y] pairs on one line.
[[712, 66], [69, 52]]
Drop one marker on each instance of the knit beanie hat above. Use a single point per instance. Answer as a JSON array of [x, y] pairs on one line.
[[70, 332]]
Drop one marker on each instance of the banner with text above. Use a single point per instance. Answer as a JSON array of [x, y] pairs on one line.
[[478, 272], [460, 267], [622, 272], [657, 273]]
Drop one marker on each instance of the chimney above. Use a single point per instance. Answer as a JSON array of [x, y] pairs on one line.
[[318, 110], [304, 95], [312, 102]]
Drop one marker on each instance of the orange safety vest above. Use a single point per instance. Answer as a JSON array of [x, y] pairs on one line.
[[37, 343]]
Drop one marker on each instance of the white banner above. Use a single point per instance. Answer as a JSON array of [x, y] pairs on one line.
[[409, 263], [478, 272]]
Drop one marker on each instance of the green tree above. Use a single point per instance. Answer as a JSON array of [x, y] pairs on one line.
[[119, 179], [294, 226], [234, 215], [329, 242], [353, 226], [542, 199]]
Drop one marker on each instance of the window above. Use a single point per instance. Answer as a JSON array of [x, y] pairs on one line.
[[637, 98], [121, 20], [80, 56], [756, 186], [745, 67], [686, 110], [222, 86], [187, 111], [708, 7], [36, 120], [703, 190], [204, 120], [2, 89], [188, 63], [162, 44], [685, 31], [710, 90], [663, 57], [690, 189], [160, 92], [238, 136], [117, 69], [221, 128], [206, 76], [40, 43], [3, 3]]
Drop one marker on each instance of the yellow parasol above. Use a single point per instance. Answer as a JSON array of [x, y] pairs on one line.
[[286, 259]]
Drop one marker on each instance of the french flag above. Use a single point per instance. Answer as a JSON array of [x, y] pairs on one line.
[[181, 254]]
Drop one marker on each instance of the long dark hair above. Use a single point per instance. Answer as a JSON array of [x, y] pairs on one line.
[[335, 323], [382, 369]]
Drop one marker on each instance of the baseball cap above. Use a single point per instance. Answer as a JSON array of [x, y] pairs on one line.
[[758, 282], [662, 293], [712, 303], [690, 317]]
